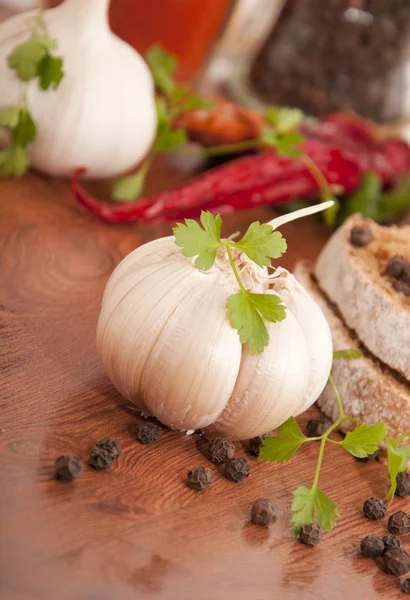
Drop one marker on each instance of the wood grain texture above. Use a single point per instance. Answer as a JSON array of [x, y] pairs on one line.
[[138, 531]]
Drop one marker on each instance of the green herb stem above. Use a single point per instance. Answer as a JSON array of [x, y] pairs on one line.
[[232, 148], [318, 175], [319, 462], [234, 269], [338, 398]]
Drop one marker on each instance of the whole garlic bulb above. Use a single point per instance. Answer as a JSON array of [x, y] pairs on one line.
[[102, 116], [166, 342]]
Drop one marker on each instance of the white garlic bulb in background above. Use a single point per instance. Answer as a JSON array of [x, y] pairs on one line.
[[102, 116], [166, 342]]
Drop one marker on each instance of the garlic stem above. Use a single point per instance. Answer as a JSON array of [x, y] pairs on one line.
[[303, 212]]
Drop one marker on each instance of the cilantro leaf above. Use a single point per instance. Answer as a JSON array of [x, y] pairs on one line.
[[310, 504], [365, 439], [398, 456], [50, 72], [269, 137], [9, 117], [162, 65], [286, 144], [198, 241], [348, 353], [246, 311], [13, 161], [261, 243], [167, 139], [25, 131], [281, 449], [25, 57], [283, 119]]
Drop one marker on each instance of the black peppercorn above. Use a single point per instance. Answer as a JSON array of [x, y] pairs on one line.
[[111, 445], [399, 523], [390, 542], [360, 236], [68, 467], [402, 287], [264, 512], [255, 444], [405, 586], [236, 469], [374, 509], [396, 562], [318, 426], [371, 546], [220, 449], [200, 478], [397, 267], [310, 534], [369, 457], [100, 459], [147, 433], [403, 485]]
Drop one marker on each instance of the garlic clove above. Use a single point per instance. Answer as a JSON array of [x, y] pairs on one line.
[[315, 329], [269, 386]]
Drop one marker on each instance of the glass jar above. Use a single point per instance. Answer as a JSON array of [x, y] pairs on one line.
[[330, 55]]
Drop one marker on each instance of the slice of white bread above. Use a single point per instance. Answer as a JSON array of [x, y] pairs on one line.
[[369, 390], [352, 278]]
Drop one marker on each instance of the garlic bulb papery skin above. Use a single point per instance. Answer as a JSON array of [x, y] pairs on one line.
[[165, 340], [102, 116], [315, 329]]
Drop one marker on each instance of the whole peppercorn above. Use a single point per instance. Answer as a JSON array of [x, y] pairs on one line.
[[255, 444], [403, 485], [263, 512], [147, 433], [402, 287], [405, 586], [200, 478], [360, 236], [68, 467], [399, 523], [397, 267], [100, 459], [371, 546], [236, 469], [318, 426], [396, 562], [390, 542], [374, 509], [220, 449], [370, 457], [310, 534], [111, 445]]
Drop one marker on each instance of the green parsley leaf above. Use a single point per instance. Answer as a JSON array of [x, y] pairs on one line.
[[310, 504], [397, 456], [365, 200], [281, 449], [348, 353], [365, 439], [169, 139], [198, 241], [269, 137], [187, 101], [246, 311], [13, 161], [286, 144], [283, 119], [9, 117], [261, 243], [50, 72], [25, 58], [25, 131], [162, 65]]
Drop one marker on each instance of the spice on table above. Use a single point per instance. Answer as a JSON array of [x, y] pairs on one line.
[[237, 469], [318, 426], [396, 562], [402, 288], [111, 445], [200, 478], [370, 457], [398, 267], [399, 523], [147, 433], [220, 449], [264, 512], [255, 444], [390, 542], [405, 586], [374, 509], [371, 546], [360, 236], [403, 484], [310, 535], [68, 467], [100, 459]]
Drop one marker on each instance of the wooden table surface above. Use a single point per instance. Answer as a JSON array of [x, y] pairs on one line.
[[138, 531]]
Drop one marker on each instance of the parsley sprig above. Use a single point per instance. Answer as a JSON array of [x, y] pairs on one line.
[[311, 504], [30, 60], [248, 311]]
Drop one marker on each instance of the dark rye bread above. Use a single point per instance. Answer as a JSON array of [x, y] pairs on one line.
[[370, 391], [353, 279]]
